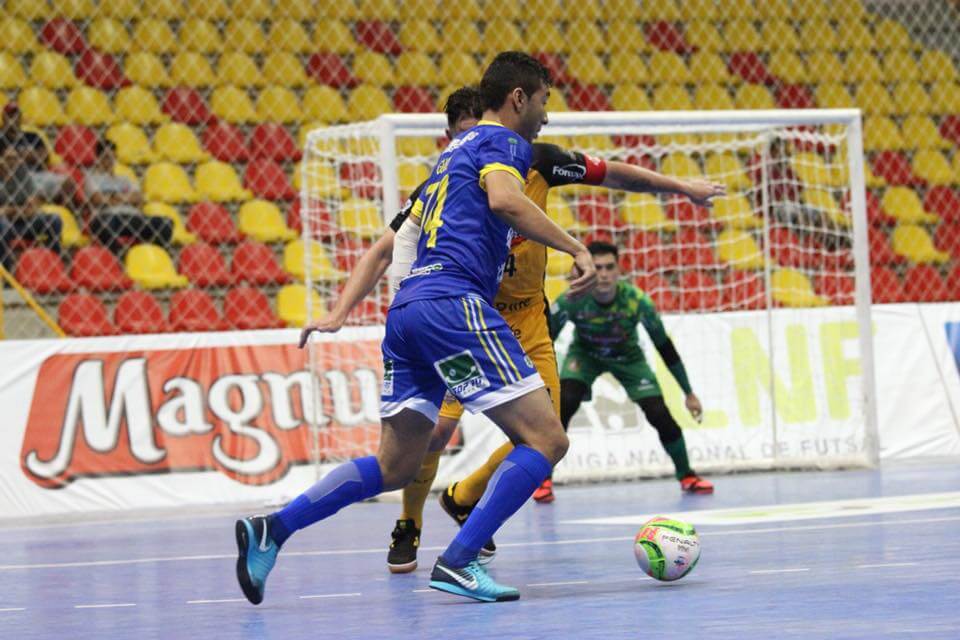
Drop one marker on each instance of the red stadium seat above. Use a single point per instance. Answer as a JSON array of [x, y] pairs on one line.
[[634, 141], [349, 250], [662, 293], [556, 66], [744, 290], [695, 249], [63, 36], [881, 253], [225, 142], [953, 283], [894, 167], [268, 181], [838, 288], [272, 141], [749, 66], [950, 128], [598, 213], [42, 271], [647, 253], [213, 223], [186, 105], [323, 223], [330, 69], [682, 210], [368, 312], [361, 178], [666, 36], [100, 70], [377, 35], [82, 315], [787, 249], [885, 285], [875, 213], [255, 264], [204, 266], [248, 308], [947, 236], [194, 310], [794, 96], [923, 283], [96, 269], [139, 312], [77, 145], [943, 201], [699, 290], [413, 100], [587, 97]]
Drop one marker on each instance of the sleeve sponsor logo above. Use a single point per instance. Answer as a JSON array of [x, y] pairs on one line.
[[245, 411], [570, 171]]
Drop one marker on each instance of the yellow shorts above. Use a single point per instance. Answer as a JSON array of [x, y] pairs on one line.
[[530, 327]]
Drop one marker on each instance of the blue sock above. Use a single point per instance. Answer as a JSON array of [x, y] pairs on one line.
[[350, 482], [515, 480]]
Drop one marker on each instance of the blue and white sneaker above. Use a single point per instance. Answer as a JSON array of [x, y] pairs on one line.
[[471, 581], [257, 555]]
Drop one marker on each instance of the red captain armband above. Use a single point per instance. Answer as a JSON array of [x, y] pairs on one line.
[[596, 169]]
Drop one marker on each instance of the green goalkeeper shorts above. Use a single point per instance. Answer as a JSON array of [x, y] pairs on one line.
[[634, 374]]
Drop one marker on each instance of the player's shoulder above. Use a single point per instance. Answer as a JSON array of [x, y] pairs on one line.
[[634, 294]]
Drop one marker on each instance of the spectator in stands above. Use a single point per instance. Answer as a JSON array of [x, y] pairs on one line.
[[19, 202], [114, 202], [48, 185]]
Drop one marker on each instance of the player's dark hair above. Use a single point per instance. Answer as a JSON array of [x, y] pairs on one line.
[[600, 248], [509, 70], [465, 101]]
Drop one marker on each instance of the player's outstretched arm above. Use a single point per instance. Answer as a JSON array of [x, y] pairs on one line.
[[510, 204], [628, 177]]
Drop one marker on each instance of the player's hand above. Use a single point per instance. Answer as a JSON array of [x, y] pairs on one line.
[[330, 324], [694, 407], [702, 192], [583, 276]]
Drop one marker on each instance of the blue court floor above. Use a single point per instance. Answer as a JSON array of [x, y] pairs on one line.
[[877, 556]]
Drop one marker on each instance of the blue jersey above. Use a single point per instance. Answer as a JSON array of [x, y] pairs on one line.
[[463, 245]]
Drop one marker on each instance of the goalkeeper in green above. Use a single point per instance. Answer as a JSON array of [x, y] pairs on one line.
[[606, 339]]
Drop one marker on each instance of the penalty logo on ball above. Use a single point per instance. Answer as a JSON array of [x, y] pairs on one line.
[[667, 549]]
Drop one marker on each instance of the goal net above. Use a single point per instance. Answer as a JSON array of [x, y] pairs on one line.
[[766, 294]]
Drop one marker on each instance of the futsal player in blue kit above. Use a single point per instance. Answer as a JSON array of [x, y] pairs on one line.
[[443, 333]]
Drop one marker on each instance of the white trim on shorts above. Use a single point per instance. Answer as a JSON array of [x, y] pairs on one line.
[[505, 394], [420, 405]]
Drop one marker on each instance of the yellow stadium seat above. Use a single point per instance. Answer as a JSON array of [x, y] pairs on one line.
[[146, 69], [374, 68], [459, 68], [420, 35], [629, 68], [754, 96], [558, 264], [588, 36], [818, 34], [945, 97], [219, 182], [712, 96], [253, 9], [779, 35], [284, 69], [663, 10], [379, 9], [922, 132], [741, 35], [644, 211], [588, 68], [192, 69], [416, 69], [671, 97], [431, 10], [559, 210], [181, 237], [410, 176], [911, 97], [881, 134], [288, 35], [701, 10], [323, 181], [71, 235], [502, 35], [29, 9], [710, 67], [936, 66], [89, 106], [855, 35], [40, 107], [166, 9], [296, 9], [321, 266], [811, 170], [774, 8], [704, 35], [592, 9], [263, 221], [810, 9], [126, 10], [623, 10], [138, 106], [419, 146], [629, 97], [177, 143], [167, 182], [324, 104], [726, 168], [827, 66], [823, 201], [75, 9], [933, 167], [903, 204], [790, 67], [107, 34], [668, 67], [154, 36], [337, 38], [151, 268], [245, 36], [834, 95], [861, 66], [874, 99], [739, 250], [547, 35], [292, 305], [915, 244], [846, 9], [553, 288], [361, 217], [891, 34], [557, 104], [17, 36], [133, 147], [628, 35], [238, 69], [209, 9], [593, 143], [233, 105], [366, 102], [680, 165], [900, 66], [202, 36], [738, 10], [468, 34], [279, 104], [11, 73], [735, 210], [791, 288], [52, 70], [873, 181]]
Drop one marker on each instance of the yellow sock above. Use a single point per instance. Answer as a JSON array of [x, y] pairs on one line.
[[415, 493], [470, 489]]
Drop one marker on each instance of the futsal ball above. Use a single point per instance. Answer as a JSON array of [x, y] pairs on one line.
[[667, 549]]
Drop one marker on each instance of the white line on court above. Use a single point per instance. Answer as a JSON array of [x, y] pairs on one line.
[[13, 609], [105, 606], [884, 565], [557, 584], [423, 590], [765, 571], [531, 543], [217, 601], [330, 595]]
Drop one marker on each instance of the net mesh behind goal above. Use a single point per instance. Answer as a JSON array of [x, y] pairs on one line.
[[760, 292]]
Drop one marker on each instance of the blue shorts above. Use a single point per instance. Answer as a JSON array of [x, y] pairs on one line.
[[461, 344]]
